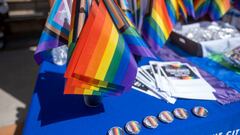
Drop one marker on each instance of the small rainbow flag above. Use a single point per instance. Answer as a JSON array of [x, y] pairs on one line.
[[102, 61], [173, 10], [218, 8], [56, 31], [157, 24], [201, 7]]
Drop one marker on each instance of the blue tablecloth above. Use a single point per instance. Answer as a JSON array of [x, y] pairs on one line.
[[52, 113]]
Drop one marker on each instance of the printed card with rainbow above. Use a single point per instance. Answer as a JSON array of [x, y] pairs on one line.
[[179, 71]]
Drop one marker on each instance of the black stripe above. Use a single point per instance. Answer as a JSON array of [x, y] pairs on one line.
[[75, 27], [55, 35]]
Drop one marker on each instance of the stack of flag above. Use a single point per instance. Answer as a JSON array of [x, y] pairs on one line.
[[105, 37]]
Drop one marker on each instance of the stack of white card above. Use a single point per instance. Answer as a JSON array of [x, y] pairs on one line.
[[171, 80]]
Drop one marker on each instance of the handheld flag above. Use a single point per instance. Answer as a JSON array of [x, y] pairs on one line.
[[55, 33]]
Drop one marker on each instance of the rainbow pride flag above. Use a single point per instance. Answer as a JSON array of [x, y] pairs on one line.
[[157, 24], [56, 31], [80, 9], [173, 10], [218, 8], [102, 62], [201, 8]]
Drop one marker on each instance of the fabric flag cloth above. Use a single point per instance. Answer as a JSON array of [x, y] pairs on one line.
[[201, 8], [80, 9], [218, 8], [133, 39], [183, 10], [190, 7], [56, 31], [102, 62], [157, 24], [127, 7], [173, 10], [137, 9]]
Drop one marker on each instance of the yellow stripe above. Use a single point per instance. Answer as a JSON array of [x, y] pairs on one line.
[[160, 22], [84, 86], [70, 38], [108, 55], [221, 5], [87, 92], [175, 6]]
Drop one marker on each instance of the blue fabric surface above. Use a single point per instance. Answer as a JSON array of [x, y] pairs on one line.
[[52, 113]]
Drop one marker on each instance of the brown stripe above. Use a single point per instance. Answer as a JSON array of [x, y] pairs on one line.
[[56, 31], [116, 14]]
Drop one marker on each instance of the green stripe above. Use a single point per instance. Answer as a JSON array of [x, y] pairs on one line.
[[130, 31], [156, 27], [115, 60], [70, 50]]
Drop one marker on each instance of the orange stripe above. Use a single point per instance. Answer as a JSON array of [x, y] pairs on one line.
[[161, 9], [78, 50], [81, 42], [91, 44], [100, 48]]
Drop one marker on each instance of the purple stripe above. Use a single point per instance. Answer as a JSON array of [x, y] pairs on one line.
[[141, 51], [154, 46], [43, 46], [223, 93], [130, 74], [38, 58]]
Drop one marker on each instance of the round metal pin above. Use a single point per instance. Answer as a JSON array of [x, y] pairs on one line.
[[166, 116], [150, 122], [200, 111], [116, 131], [180, 113], [133, 127]]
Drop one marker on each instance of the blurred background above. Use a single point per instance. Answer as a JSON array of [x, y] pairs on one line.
[[21, 24]]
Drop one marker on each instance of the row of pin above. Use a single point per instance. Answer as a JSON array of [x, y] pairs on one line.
[[134, 127]]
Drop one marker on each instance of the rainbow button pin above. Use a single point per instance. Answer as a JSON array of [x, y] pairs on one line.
[[200, 111], [116, 131], [166, 116], [180, 113], [150, 122], [133, 127]]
